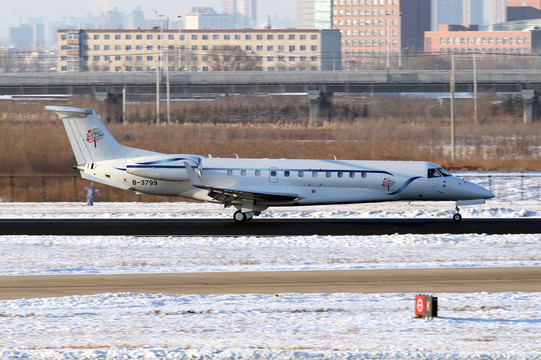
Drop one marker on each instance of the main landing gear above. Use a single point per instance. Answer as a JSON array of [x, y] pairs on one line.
[[457, 217], [241, 217]]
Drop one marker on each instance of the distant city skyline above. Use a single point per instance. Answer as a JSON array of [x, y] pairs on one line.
[[28, 11]]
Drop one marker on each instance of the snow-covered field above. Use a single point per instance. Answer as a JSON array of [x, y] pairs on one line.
[[286, 326], [290, 326]]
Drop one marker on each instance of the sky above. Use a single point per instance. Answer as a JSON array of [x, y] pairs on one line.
[[16, 12]]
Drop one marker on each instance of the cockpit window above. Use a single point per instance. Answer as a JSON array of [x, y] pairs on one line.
[[444, 172], [432, 173]]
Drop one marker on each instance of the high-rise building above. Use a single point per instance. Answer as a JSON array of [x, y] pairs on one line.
[[371, 30], [314, 14], [496, 11], [244, 12], [113, 19], [472, 12], [229, 7], [21, 36], [38, 35], [136, 19], [447, 12], [523, 9]]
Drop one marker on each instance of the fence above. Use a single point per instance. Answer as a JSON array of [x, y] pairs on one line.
[[62, 188], [506, 187], [509, 186]]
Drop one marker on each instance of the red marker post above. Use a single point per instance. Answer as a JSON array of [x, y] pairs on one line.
[[426, 306]]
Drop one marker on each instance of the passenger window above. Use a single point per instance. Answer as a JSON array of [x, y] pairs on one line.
[[314, 173], [301, 173], [340, 174], [351, 175], [363, 175], [257, 173], [273, 173], [243, 173], [328, 174], [229, 172], [286, 173]]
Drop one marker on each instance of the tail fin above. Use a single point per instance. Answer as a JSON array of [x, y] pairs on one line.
[[89, 138]]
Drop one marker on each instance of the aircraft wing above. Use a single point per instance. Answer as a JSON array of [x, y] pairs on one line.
[[226, 196]]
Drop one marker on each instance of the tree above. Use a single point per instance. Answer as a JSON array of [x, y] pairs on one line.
[[231, 59]]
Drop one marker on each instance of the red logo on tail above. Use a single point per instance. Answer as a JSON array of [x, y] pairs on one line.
[[93, 136]]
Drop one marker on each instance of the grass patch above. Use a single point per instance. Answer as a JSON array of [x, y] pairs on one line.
[[33, 141]]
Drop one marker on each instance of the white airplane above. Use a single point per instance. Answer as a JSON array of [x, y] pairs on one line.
[[253, 185]]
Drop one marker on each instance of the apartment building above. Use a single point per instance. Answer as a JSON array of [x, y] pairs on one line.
[[460, 39], [198, 50], [373, 29]]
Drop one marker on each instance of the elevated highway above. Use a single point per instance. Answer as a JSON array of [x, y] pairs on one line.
[[319, 86], [249, 82]]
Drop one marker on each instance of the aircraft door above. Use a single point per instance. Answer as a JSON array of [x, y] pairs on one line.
[[273, 175]]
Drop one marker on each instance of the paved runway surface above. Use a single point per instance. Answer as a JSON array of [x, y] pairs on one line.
[[267, 226], [276, 282]]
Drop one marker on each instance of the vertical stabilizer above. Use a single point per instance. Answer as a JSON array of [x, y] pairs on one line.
[[89, 138]]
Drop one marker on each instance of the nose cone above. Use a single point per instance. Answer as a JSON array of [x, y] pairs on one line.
[[486, 194], [471, 191]]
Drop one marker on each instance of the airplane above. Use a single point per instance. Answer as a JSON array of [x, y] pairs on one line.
[[253, 185]]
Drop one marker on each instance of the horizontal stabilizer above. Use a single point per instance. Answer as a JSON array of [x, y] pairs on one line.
[[68, 112]]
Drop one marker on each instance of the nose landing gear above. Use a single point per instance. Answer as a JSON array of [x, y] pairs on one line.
[[457, 217]]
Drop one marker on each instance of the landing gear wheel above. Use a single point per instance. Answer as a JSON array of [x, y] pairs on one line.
[[239, 216], [457, 217]]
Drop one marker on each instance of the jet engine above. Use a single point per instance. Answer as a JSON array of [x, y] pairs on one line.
[[162, 167]]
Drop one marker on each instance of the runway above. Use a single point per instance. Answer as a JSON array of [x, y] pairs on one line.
[[450, 280], [266, 227]]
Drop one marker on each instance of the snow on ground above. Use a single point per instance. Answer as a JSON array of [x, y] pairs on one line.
[[445, 209], [290, 326], [287, 326], [56, 255]]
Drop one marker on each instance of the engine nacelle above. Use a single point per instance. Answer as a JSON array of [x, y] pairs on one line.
[[162, 167]]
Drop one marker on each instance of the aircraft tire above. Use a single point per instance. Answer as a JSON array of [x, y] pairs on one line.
[[239, 216], [457, 217]]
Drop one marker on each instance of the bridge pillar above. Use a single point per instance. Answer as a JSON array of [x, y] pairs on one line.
[[530, 105], [320, 106], [110, 109]]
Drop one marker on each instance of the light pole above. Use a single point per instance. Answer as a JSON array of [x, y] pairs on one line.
[[179, 42], [160, 66], [400, 40], [160, 46], [157, 94], [474, 89], [452, 105], [388, 42], [167, 80]]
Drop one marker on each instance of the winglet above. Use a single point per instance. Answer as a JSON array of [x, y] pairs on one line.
[[194, 179]]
